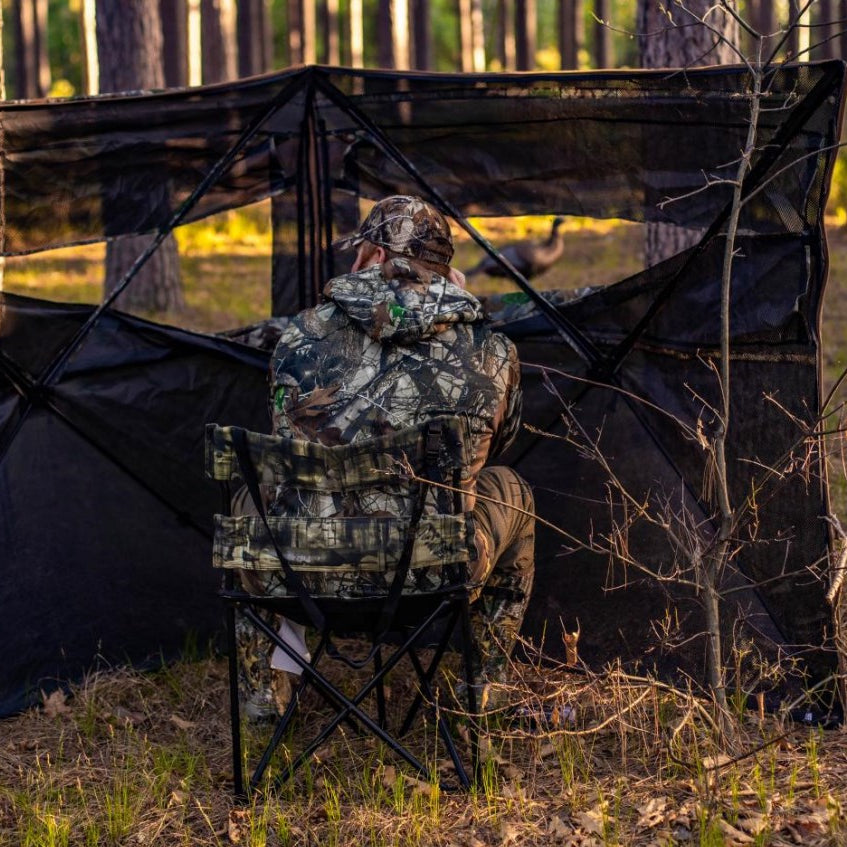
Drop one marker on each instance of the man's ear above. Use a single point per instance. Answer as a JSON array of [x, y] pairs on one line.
[[379, 256]]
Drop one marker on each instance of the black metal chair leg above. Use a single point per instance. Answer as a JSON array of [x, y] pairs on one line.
[[441, 723], [234, 706], [411, 714], [348, 706], [470, 682], [380, 689]]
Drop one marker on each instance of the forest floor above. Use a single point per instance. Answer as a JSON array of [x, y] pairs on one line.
[[130, 758]]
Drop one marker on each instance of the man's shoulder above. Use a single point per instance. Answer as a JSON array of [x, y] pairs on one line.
[[314, 324]]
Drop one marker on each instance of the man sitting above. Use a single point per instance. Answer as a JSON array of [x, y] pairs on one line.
[[398, 341]]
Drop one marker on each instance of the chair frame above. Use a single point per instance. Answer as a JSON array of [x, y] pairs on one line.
[[419, 613]]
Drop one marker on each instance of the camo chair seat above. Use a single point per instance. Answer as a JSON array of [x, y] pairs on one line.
[[400, 580]]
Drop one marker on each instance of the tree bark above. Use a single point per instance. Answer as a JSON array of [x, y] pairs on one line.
[[91, 65], [571, 33], [32, 67], [332, 42], [2, 176], [251, 26], [824, 36], [384, 34], [218, 40], [762, 18], [526, 28], [302, 32], [506, 45], [174, 15], [129, 42], [602, 34], [670, 37], [465, 42], [421, 40], [357, 38], [195, 46], [842, 40]]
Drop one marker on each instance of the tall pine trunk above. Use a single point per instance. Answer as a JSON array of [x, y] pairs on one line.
[[32, 68], [218, 41], [129, 46], [671, 38]]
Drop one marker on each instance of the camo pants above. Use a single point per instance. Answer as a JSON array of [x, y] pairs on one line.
[[505, 528]]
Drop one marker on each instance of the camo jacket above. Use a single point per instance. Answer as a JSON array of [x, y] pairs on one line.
[[390, 347]]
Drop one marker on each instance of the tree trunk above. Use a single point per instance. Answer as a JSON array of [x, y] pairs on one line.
[[32, 66], [506, 45], [799, 32], [671, 38], [195, 47], [825, 34], [332, 42], [2, 176], [762, 18], [477, 36], [526, 28], [571, 33], [129, 44], [174, 15], [384, 35], [602, 34], [421, 40], [302, 32], [251, 25], [357, 37], [471, 36], [218, 40], [842, 16], [465, 41], [91, 65]]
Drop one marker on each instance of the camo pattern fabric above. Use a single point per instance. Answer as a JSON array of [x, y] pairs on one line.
[[408, 226], [393, 346]]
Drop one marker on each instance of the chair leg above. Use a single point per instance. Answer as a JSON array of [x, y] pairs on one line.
[[380, 689], [470, 681], [348, 706], [234, 706], [441, 723], [430, 673]]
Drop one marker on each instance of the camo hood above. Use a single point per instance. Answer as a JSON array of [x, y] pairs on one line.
[[397, 303]]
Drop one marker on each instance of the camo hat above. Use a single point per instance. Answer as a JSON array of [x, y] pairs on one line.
[[407, 226]]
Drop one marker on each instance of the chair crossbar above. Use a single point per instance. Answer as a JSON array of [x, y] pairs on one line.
[[349, 707]]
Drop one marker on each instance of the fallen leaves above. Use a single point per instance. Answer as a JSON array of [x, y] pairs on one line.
[[181, 723], [653, 813], [55, 704]]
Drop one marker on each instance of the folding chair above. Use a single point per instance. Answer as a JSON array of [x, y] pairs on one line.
[[436, 538]]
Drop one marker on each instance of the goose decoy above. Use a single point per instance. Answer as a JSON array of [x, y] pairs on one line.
[[529, 257]]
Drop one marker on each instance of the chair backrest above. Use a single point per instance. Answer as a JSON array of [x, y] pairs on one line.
[[326, 550]]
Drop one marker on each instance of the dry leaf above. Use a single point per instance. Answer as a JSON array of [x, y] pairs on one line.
[[127, 716], [571, 640], [558, 827], [712, 762], [389, 776], [176, 720], [178, 798], [734, 836], [55, 704], [652, 813], [591, 821], [509, 832], [752, 822], [238, 825]]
